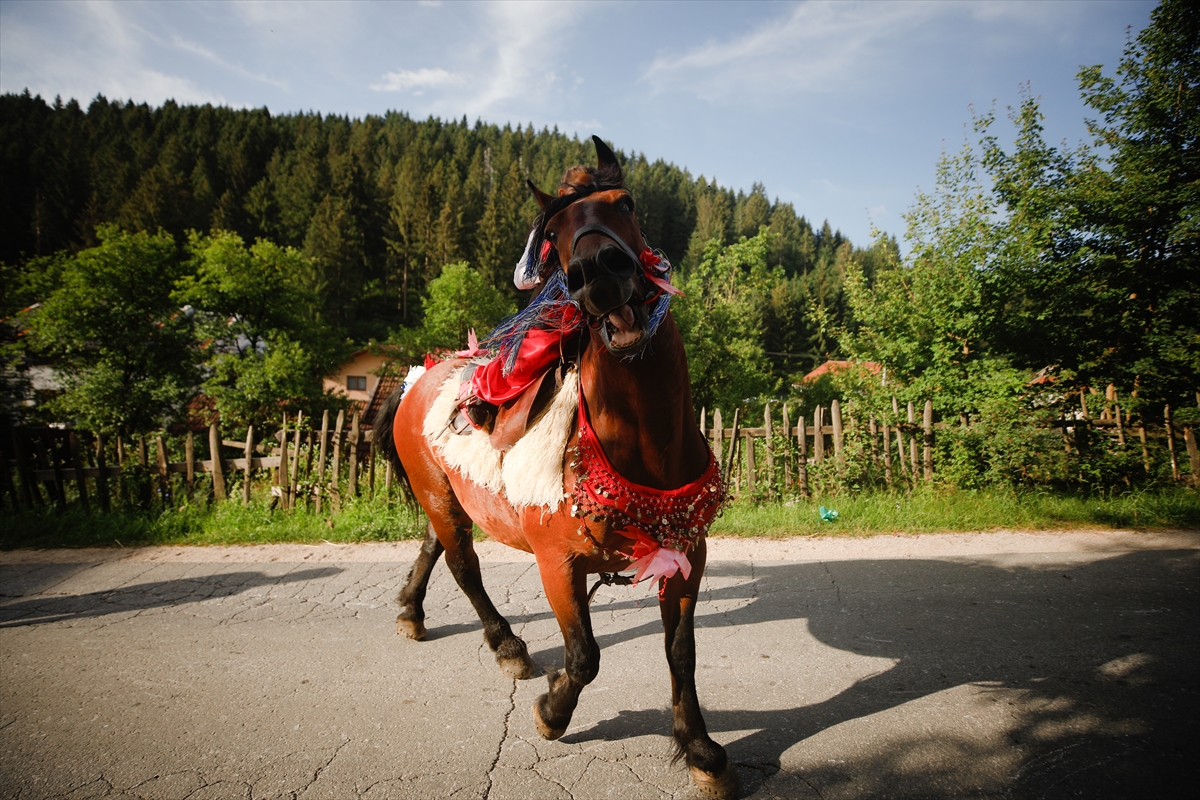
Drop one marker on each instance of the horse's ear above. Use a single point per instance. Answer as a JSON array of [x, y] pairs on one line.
[[606, 160], [543, 199]]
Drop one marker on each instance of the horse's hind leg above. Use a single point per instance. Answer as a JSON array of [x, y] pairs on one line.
[[411, 620], [511, 653], [705, 758]]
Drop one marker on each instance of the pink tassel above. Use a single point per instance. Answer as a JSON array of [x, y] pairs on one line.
[[661, 563], [473, 348]]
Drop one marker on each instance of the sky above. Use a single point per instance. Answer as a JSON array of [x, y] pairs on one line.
[[840, 108]]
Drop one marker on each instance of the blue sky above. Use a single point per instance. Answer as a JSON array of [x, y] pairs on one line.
[[839, 108]]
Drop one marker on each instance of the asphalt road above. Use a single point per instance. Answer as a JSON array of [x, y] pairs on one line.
[[986, 665]]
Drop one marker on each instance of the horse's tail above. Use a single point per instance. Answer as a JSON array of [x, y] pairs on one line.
[[382, 426]]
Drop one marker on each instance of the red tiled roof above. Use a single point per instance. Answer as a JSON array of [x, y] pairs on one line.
[[833, 366], [387, 384]]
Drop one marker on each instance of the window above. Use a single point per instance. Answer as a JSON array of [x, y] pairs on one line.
[[356, 383]]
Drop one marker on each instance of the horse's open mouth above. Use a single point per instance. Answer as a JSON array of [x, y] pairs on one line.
[[624, 328]]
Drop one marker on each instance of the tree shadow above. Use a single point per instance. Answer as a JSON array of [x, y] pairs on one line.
[[1096, 663], [143, 596]]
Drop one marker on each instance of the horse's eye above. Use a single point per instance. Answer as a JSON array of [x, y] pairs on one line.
[[551, 236], [626, 205]]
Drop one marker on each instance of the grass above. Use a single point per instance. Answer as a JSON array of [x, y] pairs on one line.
[[360, 520], [942, 511], [366, 520]]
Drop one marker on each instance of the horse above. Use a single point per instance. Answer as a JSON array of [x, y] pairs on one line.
[[636, 423]]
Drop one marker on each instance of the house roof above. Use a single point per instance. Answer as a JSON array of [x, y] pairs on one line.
[[387, 384], [834, 366]]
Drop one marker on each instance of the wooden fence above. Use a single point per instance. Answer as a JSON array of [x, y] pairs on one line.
[[57, 466], [903, 452], [319, 467]]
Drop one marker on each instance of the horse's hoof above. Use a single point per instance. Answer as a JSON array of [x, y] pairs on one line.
[[544, 730], [517, 667], [413, 629], [723, 786]]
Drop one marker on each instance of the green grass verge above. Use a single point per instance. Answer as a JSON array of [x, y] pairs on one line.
[[360, 520], [942, 511], [365, 520]]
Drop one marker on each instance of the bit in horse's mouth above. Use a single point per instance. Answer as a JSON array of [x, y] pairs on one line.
[[622, 327]]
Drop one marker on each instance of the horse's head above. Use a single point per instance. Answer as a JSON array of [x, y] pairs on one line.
[[593, 226]]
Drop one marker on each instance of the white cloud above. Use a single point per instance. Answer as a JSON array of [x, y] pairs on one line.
[[498, 65], [95, 49], [818, 47], [197, 49], [423, 78]]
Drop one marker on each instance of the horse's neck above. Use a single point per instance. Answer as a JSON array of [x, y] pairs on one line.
[[641, 410]]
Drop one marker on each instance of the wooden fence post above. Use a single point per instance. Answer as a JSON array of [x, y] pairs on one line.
[[29, 487], [353, 467], [1120, 420], [77, 463], [750, 463], [927, 424], [102, 481], [249, 451], [718, 437], [787, 451], [839, 451], [733, 442], [371, 465], [218, 469], [320, 488], [189, 457], [164, 486], [912, 442], [1171, 443], [818, 435], [294, 475], [335, 487], [770, 448], [1189, 439], [60, 484], [873, 433], [900, 448], [887, 453], [1142, 438], [285, 466], [802, 457]]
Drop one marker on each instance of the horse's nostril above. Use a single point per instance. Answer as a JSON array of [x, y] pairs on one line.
[[576, 276], [615, 261]]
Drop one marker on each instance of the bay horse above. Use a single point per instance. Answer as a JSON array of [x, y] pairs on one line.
[[636, 423]]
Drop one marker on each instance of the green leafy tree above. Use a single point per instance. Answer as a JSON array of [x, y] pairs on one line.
[[459, 300], [263, 351], [721, 321], [1142, 213], [926, 319], [117, 338]]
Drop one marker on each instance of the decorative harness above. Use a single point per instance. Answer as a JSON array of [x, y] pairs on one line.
[[664, 524]]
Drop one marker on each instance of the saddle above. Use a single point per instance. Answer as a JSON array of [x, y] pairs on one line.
[[508, 422], [514, 417]]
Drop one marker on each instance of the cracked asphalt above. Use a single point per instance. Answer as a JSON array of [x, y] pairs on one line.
[[975, 665]]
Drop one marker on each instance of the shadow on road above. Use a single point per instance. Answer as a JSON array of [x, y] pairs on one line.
[[1096, 664], [140, 597]]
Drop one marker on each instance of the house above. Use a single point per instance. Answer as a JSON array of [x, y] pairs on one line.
[[359, 378]]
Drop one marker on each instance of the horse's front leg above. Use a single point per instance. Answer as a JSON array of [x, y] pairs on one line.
[[705, 758], [565, 582]]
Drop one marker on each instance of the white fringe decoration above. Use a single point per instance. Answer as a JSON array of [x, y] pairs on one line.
[[531, 473]]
